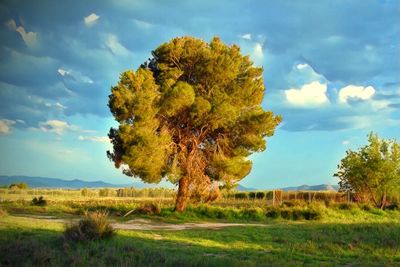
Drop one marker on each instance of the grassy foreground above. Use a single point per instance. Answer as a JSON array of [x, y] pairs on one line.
[[35, 242]]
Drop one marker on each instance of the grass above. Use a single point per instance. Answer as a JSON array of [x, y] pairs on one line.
[[296, 233], [27, 242]]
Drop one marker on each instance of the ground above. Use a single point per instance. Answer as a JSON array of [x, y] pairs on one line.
[[344, 235]]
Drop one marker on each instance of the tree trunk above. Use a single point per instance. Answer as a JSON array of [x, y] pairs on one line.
[[383, 201], [183, 195]]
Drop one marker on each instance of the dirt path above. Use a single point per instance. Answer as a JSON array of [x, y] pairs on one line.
[[144, 224]]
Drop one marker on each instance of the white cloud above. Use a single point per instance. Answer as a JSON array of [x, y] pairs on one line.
[[100, 139], [143, 24], [345, 142], [358, 92], [91, 19], [5, 126], [62, 72], [302, 66], [11, 25], [258, 51], [115, 47], [56, 126], [30, 38], [246, 36], [312, 94]]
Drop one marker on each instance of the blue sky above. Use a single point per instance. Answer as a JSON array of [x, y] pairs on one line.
[[331, 69]]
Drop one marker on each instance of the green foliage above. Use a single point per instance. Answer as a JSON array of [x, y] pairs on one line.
[[194, 110], [241, 195], [93, 226], [260, 195], [373, 170], [39, 201]]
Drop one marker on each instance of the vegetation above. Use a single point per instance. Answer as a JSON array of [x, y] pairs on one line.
[[18, 186], [39, 201], [93, 226], [373, 172], [191, 114], [34, 242]]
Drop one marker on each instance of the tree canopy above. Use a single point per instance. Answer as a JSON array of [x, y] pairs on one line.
[[372, 171], [191, 114]]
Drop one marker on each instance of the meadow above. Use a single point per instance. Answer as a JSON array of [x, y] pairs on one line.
[[290, 233]]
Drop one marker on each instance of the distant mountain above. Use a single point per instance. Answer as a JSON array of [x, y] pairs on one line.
[[320, 187], [45, 182], [243, 188]]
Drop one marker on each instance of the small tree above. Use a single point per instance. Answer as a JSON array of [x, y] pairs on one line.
[[373, 170], [18, 186], [192, 115]]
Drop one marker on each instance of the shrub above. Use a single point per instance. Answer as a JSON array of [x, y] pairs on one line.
[[311, 214], [39, 201], [273, 213], [260, 195], [253, 214], [147, 209], [93, 226], [366, 207], [18, 186], [393, 206], [241, 195], [346, 206], [252, 195]]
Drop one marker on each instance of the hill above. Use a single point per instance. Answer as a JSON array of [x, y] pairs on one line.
[[45, 182], [320, 187]]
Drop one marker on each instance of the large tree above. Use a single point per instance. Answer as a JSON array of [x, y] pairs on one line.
[[372, 171], [192, 114]]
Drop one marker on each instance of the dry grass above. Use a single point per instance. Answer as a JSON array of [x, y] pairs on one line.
[[93, 226]]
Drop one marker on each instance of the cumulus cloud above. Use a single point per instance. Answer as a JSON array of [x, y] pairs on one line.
[[100, 139], [312, 94], [56, 126], [29, 38], [5, 126], [345, 142], [355, 92], [91, 19]]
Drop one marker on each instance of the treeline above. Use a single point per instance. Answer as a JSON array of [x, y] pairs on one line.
[[280, 195], [91, 192], [130, 192]]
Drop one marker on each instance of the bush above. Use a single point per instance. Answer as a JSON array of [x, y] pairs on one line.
[[18, 186], [241, 195], [346, 206], [273, 213], [147, 209], [256, 214], [260, 195], [93, 226], [39, 201], [252, 195], [366, 207], [392, 206]]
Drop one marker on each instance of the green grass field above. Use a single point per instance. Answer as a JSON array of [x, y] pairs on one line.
[[342, 235]]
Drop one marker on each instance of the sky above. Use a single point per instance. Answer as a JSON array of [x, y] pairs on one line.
[[331, 70]]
